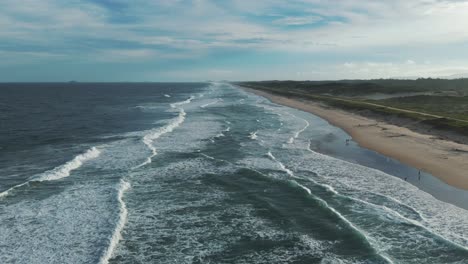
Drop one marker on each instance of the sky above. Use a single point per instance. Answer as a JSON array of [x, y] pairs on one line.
[[198, 40]]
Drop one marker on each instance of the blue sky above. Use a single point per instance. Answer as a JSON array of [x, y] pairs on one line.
[[194, 40]]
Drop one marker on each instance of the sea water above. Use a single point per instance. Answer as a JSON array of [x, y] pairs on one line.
[[198, 173]]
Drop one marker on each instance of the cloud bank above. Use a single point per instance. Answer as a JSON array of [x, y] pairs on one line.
[[104, 40]]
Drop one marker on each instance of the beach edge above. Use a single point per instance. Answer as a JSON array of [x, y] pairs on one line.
[[442, 158]]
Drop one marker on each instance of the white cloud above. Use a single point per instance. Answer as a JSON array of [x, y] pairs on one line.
[[124, 55], [376, 31], [297, 21], [372, 70], [349, 65]]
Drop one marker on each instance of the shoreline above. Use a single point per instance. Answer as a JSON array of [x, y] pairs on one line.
[[446, 160]]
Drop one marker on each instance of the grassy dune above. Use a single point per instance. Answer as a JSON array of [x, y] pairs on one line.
[[443, 105]]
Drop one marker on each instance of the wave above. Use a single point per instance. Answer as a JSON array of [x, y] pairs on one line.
[[350, 224], [219, 135], [65, 169], [61, 171], [148, 139], [326, 205], [117, 235], [407, 220], [166, 95], [177, 104], [388, 211], [297, 133], [420, 221], [212, 103], [283, 168], [253, 135], [5, 193]]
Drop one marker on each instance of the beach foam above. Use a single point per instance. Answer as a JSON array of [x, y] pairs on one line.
[[297, 133], [212, 103], [59, 172], [326, 205], [65, 169], [154, 134], [117, 235]]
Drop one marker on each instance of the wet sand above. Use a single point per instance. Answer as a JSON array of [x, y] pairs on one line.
[[444, 159]]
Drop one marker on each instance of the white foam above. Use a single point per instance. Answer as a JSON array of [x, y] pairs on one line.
[[212, 103], [398, 216], [350, 224], [65, 169], [61, 171], [303, 187], [283, 168], [166, 95], [438, 218], [177, 104], [445, 220], [206, 156], [5, 193], [219, 135], [253, 135], [326, 186], [117, 235], [149, 138], [297, 133], [309, 192]]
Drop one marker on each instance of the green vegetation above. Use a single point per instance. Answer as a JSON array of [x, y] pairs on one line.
[[448, 106], [360, 87], [442, 104]]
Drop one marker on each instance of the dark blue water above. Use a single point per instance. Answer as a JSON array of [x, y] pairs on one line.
[[200, 173]]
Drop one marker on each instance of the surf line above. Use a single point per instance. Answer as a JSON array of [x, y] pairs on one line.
[[117, 235], [61, 171], [395, 213], [392, 212], [149, 138], [296, 135], [212, 103], [326, 205]]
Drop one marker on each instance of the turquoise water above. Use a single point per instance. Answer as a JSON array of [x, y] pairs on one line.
[[200, 173]]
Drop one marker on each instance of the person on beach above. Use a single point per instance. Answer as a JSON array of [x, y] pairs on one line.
[[419, 175]]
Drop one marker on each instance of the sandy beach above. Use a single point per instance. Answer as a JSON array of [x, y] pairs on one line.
[[444, 159]]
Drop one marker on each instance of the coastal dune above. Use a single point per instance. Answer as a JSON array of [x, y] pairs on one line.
[[444, 159]]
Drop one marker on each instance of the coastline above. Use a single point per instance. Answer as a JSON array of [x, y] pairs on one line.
[[443, 159]]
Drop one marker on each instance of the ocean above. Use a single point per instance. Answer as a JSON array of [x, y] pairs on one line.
[[201, 173]]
